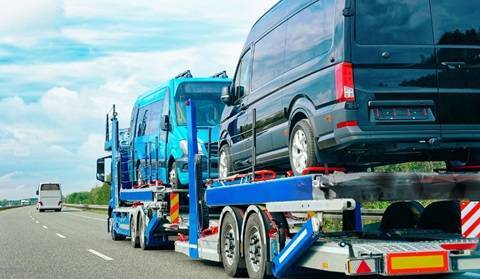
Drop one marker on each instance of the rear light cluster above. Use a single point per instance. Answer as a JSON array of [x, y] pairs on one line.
[[345, 86]]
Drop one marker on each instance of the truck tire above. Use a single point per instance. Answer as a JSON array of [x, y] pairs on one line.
[[114, 234], [230, 247], [141, 234], [401, 215], [302, 147], [442, 215], [255, 248], [134, 239], [224, 165]]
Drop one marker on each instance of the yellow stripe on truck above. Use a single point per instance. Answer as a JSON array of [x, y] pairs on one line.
[[417, 261]]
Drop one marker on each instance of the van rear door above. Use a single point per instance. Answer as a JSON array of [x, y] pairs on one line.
[[456, 28], [395, 71]]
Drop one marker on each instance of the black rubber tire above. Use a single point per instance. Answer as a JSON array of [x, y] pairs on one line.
[[134, 239], [311, 161], [225, 148], [175, 184], [141, 232], [234, 269], [442, 215], [115, 236], [401, 215], [253, 225]]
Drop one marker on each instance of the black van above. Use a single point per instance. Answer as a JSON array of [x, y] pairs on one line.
[[356, 84]]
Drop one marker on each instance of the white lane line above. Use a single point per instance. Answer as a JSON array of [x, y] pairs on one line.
[[107, 258], [37, 222], [87, 217], [45, 227], [61, 236]]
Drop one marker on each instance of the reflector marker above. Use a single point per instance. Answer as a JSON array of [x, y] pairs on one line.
[[470, 219]]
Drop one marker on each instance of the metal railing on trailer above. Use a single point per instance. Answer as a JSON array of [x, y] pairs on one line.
[[264, 239]]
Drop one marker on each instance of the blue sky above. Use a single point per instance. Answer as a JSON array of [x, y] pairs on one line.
[[64, 63]]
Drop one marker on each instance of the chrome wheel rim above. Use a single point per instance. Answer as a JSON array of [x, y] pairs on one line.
[[299, 151], [255, 252], [229, 247], [222, 167]]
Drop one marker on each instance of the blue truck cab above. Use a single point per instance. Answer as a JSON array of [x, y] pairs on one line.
[[158, 128]]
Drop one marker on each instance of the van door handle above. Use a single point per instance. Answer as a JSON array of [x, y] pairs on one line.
[[454, 65]]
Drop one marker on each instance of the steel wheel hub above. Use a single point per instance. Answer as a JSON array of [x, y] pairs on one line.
[[255, 250], [229, 247]]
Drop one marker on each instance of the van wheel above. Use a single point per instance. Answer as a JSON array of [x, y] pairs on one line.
[[401, 215], [224, 167], [255, 248], [302, 147], [173, 177], [230, 247], [134, 240]]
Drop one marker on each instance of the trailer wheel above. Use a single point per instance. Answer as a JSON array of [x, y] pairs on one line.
[[442, 215], [141, 228], [401, 215], [255, 248], [230, 247], [114, 234], [134, 240]]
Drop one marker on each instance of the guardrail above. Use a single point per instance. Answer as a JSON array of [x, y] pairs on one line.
[[10, 207], [367, 214], [87, 206]]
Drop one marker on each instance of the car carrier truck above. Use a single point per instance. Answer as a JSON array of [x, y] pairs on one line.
[[275, 224]]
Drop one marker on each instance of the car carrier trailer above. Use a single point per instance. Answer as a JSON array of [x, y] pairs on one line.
[[273, 225]]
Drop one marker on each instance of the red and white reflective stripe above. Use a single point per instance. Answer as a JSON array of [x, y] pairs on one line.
[[471, 219]]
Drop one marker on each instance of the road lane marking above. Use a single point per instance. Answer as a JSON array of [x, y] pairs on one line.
[[87, 217], [45, 227], [61, 236], [37, 222], [107, 258]]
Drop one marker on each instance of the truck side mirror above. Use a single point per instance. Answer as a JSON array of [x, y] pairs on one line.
[[36, 192], [165, 123], [101, 169], [227, 96], [240, 92]]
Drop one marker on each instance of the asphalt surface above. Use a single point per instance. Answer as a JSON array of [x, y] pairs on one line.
[[75, 244]]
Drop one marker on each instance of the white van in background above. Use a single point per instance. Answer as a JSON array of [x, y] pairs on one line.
[[49, 197]]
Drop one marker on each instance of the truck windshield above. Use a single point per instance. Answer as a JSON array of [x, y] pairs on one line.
[[50, 187], [206, 96]]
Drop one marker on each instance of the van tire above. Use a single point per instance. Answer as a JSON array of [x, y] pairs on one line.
[[302, 138], [442, 215], [224, 155]]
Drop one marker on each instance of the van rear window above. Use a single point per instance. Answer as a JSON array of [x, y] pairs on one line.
[[50, 187], [387, 22], [456, 22]]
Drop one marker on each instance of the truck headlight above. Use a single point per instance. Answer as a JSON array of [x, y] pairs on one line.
[[184, 147]]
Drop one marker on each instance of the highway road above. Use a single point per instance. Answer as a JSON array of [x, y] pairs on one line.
[[74, 244]]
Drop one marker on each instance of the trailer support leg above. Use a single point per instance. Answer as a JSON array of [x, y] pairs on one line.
[[297, 247]]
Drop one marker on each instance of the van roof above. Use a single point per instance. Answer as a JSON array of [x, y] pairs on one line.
[[149, 96], [274, 16]]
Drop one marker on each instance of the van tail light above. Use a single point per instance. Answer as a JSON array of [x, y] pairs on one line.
[[344, 82]]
